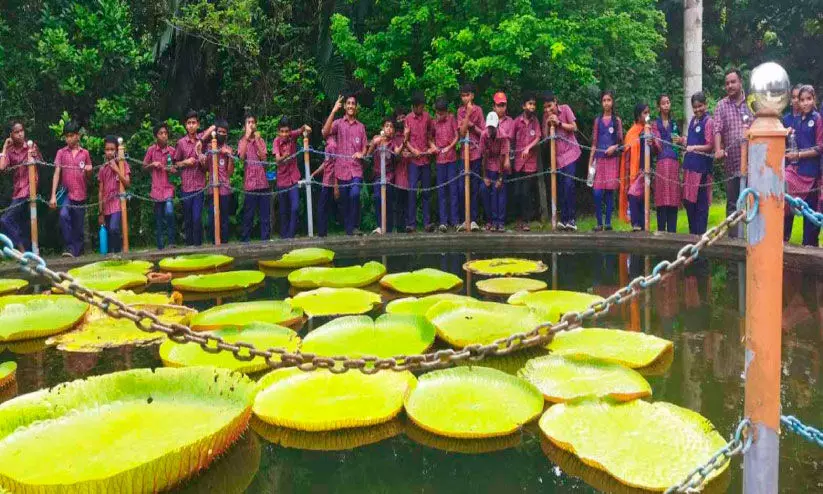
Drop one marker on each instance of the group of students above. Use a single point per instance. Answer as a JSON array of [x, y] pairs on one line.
[[503, 162]]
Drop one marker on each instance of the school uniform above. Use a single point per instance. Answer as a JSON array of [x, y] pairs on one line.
[[666, 176], [445, 132], [325, 202], [72, 214], [523, 132], [421, 130], [494, 199], [288, 176], [477, 124], [15, 222], [112, 214], [802, 177], [257, 198], [225, 157], [162, 193], [350, 135], [697, 175], [192, 185], [400, 185], [568, 152], [608, 131]]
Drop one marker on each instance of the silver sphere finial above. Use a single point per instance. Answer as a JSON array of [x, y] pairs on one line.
[[771, 89]]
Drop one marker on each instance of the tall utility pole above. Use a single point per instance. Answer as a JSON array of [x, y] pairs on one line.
[[692, 53]]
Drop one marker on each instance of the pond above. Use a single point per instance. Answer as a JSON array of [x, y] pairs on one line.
[[698, 309]]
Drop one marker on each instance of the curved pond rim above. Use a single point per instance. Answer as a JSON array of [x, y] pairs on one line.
[[643, 243]]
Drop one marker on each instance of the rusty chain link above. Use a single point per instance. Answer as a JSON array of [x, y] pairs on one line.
[[280, 357]]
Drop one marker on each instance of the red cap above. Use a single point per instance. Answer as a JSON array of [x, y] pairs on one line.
[[499, 97]]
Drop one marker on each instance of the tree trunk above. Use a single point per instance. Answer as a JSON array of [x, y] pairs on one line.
[[692, 53]]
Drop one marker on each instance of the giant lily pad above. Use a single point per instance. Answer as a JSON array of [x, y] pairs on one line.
[[422, 281], [218, 282], [562, 379], [8, 370], [322, 401], [482, 322], [462, 445], [300, 258], [419, 306], [509, 363], [387, 336], [626, 348], [505, 266], [12, 285], [646, 445], [472, 402], [349, 277], [243, 313], [139, 267], [554, 303], [261, 335], [25, 317], [509, 286], [121, 429], [230, 474], [98, 334], [107, 280], [128, 297], [335, 301], [194, 262], [337, 440]]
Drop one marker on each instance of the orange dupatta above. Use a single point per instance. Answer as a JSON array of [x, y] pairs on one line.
[[629, 167]]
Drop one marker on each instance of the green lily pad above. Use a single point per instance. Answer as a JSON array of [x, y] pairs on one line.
[[261, 335], [509, 286], [122, 429], [419, 306], [194, 262], [8, 370], [24, 317], [322, 401], [349, 277], [128, 297], [509, 363], [243, 313], [107, 280], [645, 445], [482, 322], [554, 303], [386, 336], [300, 258], [337, 440], [421, 282], [139, 267], [8, 286], [98, 334], [562, 379], [218, 282], [628, 348], [505, 266], [472, 402], [335, 301]]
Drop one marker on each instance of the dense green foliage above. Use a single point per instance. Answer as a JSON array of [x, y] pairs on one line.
[[116, 65]]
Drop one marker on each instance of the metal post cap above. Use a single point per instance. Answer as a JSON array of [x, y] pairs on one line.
[[771, 88]]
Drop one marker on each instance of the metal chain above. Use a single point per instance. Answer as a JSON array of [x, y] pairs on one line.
[[739, 445], [801, 208], [280, 357], [807, 432]]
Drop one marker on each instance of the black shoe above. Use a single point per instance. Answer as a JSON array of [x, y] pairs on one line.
[[598, 228], [410, 229], [609, 228], [430, 228]]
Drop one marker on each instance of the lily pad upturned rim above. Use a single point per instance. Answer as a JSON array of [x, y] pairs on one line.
[[299, 258], [221, 316], [471, 266], [430, 280], [357, 335], [8, 372], [200, 283], [12, 285], [637, 353], [128, 265], [230, 393], [458, 324], [496, 286], [334, 440], [421, 305], [335, 277], [192, 263], [107, 280], [303, 301], [27, 332]]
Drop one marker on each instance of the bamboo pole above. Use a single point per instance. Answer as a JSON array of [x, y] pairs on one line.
[[35, 247], [124, 214], [764, 305], [553, 155], [307, 170], [215, 188]]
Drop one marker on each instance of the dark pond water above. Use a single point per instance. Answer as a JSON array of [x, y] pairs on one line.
[[698, 309]]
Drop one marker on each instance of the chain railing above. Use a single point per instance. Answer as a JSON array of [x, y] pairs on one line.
[[739, 445], [807, 432], [802, 208]]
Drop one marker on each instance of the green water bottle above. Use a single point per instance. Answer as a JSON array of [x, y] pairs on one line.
[[168, 162]]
